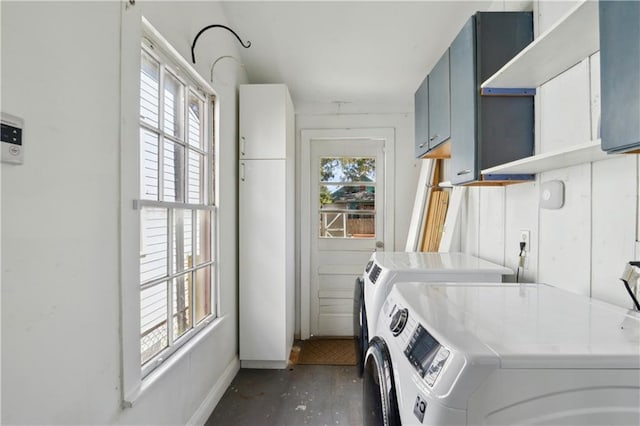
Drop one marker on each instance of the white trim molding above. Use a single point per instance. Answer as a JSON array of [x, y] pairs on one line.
[[214, 396]]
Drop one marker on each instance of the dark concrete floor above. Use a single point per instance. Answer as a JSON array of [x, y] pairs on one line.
[[299, 395]]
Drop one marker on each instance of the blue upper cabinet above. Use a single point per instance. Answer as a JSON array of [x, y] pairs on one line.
[[433, 112], [488, 130], [422, 118], [439, 102], [620, 75]]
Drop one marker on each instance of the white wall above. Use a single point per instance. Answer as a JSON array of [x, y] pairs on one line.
[[583, 246], [60, 217]]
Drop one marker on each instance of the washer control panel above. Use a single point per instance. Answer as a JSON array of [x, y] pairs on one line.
[[426, 354]]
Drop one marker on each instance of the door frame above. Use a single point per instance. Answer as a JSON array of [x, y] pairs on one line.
[[306, 136]]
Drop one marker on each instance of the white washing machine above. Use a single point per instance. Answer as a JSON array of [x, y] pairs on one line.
[[386, 268], [471, 354]]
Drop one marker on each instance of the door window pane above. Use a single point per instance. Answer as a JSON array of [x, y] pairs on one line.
[[361, 224], [347, 211], [348, 169]]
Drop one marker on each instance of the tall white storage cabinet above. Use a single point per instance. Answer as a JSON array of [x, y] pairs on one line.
[[267, 137]]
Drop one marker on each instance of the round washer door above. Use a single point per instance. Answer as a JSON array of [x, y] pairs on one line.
[[379, 404]]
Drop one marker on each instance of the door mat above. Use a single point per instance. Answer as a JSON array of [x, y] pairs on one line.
[[324, 352]]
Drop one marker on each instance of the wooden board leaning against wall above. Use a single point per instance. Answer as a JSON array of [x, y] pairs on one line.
[[436, 212]]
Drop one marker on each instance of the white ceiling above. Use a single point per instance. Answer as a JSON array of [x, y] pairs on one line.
[[351, 52]]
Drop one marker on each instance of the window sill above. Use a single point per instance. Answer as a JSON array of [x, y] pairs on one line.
[[152, 378]]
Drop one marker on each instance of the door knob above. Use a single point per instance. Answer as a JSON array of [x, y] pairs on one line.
[[379, 244]]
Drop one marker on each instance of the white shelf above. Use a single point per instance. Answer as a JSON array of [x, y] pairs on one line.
[[572, 39], [571, 156]]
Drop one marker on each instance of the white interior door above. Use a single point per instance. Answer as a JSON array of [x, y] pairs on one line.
[[347, 221]]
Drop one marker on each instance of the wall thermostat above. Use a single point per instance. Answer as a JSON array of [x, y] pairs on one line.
[[11, 131], [552, 194]]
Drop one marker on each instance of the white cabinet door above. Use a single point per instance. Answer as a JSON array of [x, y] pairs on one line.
[[263, 122], [263, 260]]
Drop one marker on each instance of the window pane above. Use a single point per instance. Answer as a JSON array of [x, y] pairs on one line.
[[173, 172], [181, 305], [353, 197], [361, 225], [203, 237], [153, 320], [173, 106], [153, 246], [347, 211], [203, 293], [195, 127], [182, 240], [148, 165], [149, 91], [348, 169], [196, 178], [342, 224]]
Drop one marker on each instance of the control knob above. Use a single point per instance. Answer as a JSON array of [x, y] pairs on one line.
[[399, 321]]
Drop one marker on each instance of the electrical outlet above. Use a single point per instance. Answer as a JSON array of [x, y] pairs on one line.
[[525, 238]]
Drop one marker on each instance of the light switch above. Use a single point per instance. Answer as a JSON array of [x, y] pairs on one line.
[[12, 140]]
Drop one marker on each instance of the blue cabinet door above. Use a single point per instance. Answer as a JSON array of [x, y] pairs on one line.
[[463, 101], [487, 130], [421, 109], [620, 75], [439, 102]]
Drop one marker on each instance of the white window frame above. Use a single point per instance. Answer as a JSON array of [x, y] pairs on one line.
[[167, 65], [135, 377]]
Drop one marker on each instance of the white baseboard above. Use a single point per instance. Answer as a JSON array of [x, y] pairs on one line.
[[269, 365], [203, 412]]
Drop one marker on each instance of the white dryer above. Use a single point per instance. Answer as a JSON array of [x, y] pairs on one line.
[[470, 354], [386, 268]]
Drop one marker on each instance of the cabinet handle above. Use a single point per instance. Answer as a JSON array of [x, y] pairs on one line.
[[422, 144], [433, 137], [464, 172], [243, 142], [242, 172]]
